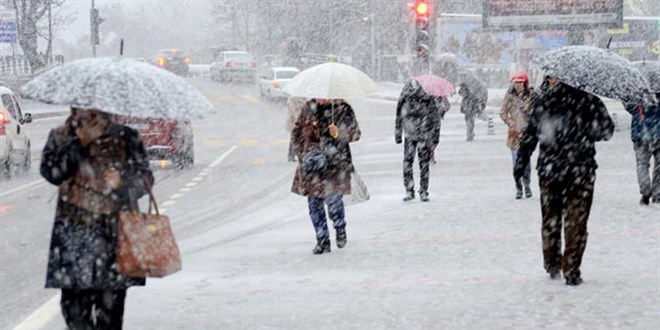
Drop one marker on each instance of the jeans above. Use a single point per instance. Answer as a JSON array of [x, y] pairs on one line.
[[526, 179], [644, 150], [317, 214]]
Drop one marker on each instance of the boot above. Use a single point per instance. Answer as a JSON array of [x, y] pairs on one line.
[[322, 247], [424, 197], [519, 193], [645, 200], [554, 274], [409, 196], [528, 191], [574, 281], [341, 237]]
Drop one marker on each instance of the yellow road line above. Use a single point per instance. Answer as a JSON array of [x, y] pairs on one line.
[[212, 142], [230, 99], [252, 98], [248, 142], [259, 161]]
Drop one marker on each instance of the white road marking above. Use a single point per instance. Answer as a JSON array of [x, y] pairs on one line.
[[168, 203], [223, 156], [184, 190], [191, 184], [42, 315], [176, 196], [23, 187], [199, 178]]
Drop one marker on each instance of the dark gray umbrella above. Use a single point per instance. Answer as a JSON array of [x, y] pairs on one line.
[[651, 71], [597, 71], [476, 86]]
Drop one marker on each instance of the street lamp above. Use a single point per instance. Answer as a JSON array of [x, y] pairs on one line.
[[370, 20]]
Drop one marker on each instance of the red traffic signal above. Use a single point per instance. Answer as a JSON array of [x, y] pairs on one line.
[[422, 8]]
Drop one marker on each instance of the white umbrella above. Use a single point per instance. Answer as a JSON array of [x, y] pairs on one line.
[[331, 81], [119, 86]]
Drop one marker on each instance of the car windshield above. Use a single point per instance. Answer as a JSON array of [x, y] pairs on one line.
[[285, 74], [239, 56]]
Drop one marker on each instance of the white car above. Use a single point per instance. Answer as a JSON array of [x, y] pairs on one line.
[[233, 66], [14, 142], [273, 80]]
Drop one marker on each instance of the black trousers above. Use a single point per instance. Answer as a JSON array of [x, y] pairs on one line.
[[423, 149], [93, 309]]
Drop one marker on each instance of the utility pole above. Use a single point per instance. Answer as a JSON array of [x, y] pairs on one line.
[[94, 22]]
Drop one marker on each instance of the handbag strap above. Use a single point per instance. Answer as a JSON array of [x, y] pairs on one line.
[[152, 199]]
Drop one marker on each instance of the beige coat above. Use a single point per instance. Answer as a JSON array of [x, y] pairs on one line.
[[515, 112], [294, 104]]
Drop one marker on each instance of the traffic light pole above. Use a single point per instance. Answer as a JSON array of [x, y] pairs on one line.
[[91, 28]]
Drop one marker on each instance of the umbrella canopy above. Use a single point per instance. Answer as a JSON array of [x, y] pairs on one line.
[[331, 81], [651, 71], [119, 86], [476, 86], [596, 71], [434, 85]]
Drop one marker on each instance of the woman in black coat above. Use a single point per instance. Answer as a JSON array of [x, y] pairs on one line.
[[100, 167]]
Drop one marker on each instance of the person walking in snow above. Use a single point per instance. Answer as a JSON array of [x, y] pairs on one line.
[[645, 135], [417, 125], [321, 138], [566, 123], [100, 167], [294, 105], [471, 106], [515, 113]]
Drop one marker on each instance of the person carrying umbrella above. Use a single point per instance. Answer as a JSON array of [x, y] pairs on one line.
[[100, 168], [474, 96], [418, 121], [645, 135], [515, 113], [321, 138], [566, 123]]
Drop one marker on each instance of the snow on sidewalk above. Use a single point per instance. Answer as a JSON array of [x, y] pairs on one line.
[[469, 259]]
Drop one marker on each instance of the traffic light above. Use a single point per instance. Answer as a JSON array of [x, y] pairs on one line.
[[422, 11], [94, 22]]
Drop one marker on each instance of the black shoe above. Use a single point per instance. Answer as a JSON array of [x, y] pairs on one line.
[[554, 274], [322, 247], [409, 196], [645, 200], [528, 192], [519, 194], [574, 281], [424, 197], [341, 237], [655, 200]]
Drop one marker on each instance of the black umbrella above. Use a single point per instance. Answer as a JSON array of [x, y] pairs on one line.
[[476, 86], [651, 71], [597, 71]]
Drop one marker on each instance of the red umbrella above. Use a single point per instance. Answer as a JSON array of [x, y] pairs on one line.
[[434, 85]]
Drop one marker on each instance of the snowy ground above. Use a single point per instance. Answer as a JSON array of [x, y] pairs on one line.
[[469, 259]]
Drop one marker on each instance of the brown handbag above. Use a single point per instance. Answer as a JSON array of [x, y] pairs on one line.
[[146, 245]]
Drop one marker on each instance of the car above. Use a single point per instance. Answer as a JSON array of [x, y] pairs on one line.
[[164, 139], [14, 141], [234, 65], [273, 81], [173, 60]]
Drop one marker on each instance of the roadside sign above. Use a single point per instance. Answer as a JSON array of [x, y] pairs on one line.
[[6, 26], [8, 37]]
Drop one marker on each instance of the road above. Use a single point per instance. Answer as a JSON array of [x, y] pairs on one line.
[[248, 131]]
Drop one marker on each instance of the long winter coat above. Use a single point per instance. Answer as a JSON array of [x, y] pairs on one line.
[[311, 131], [566, 123], [470, 103], [515, 113], [84, 236], [418, 115], [645, 123]]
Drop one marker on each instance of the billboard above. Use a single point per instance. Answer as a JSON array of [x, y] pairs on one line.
[[527, 15]]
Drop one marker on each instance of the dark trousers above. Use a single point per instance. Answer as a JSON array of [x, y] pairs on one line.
[[644, 151], [526, 179], [570, 198], [93, 309], [424, 150], [469, 126], [317, 214]]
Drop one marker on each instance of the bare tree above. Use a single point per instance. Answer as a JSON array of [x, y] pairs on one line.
[[29, 15]]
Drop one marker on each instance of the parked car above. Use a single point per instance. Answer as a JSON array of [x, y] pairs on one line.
[[273, 81], [165, 139], [234, 65], [14, 142], [173, 60]]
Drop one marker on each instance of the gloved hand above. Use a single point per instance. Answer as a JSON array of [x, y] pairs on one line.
[[398, 139]]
